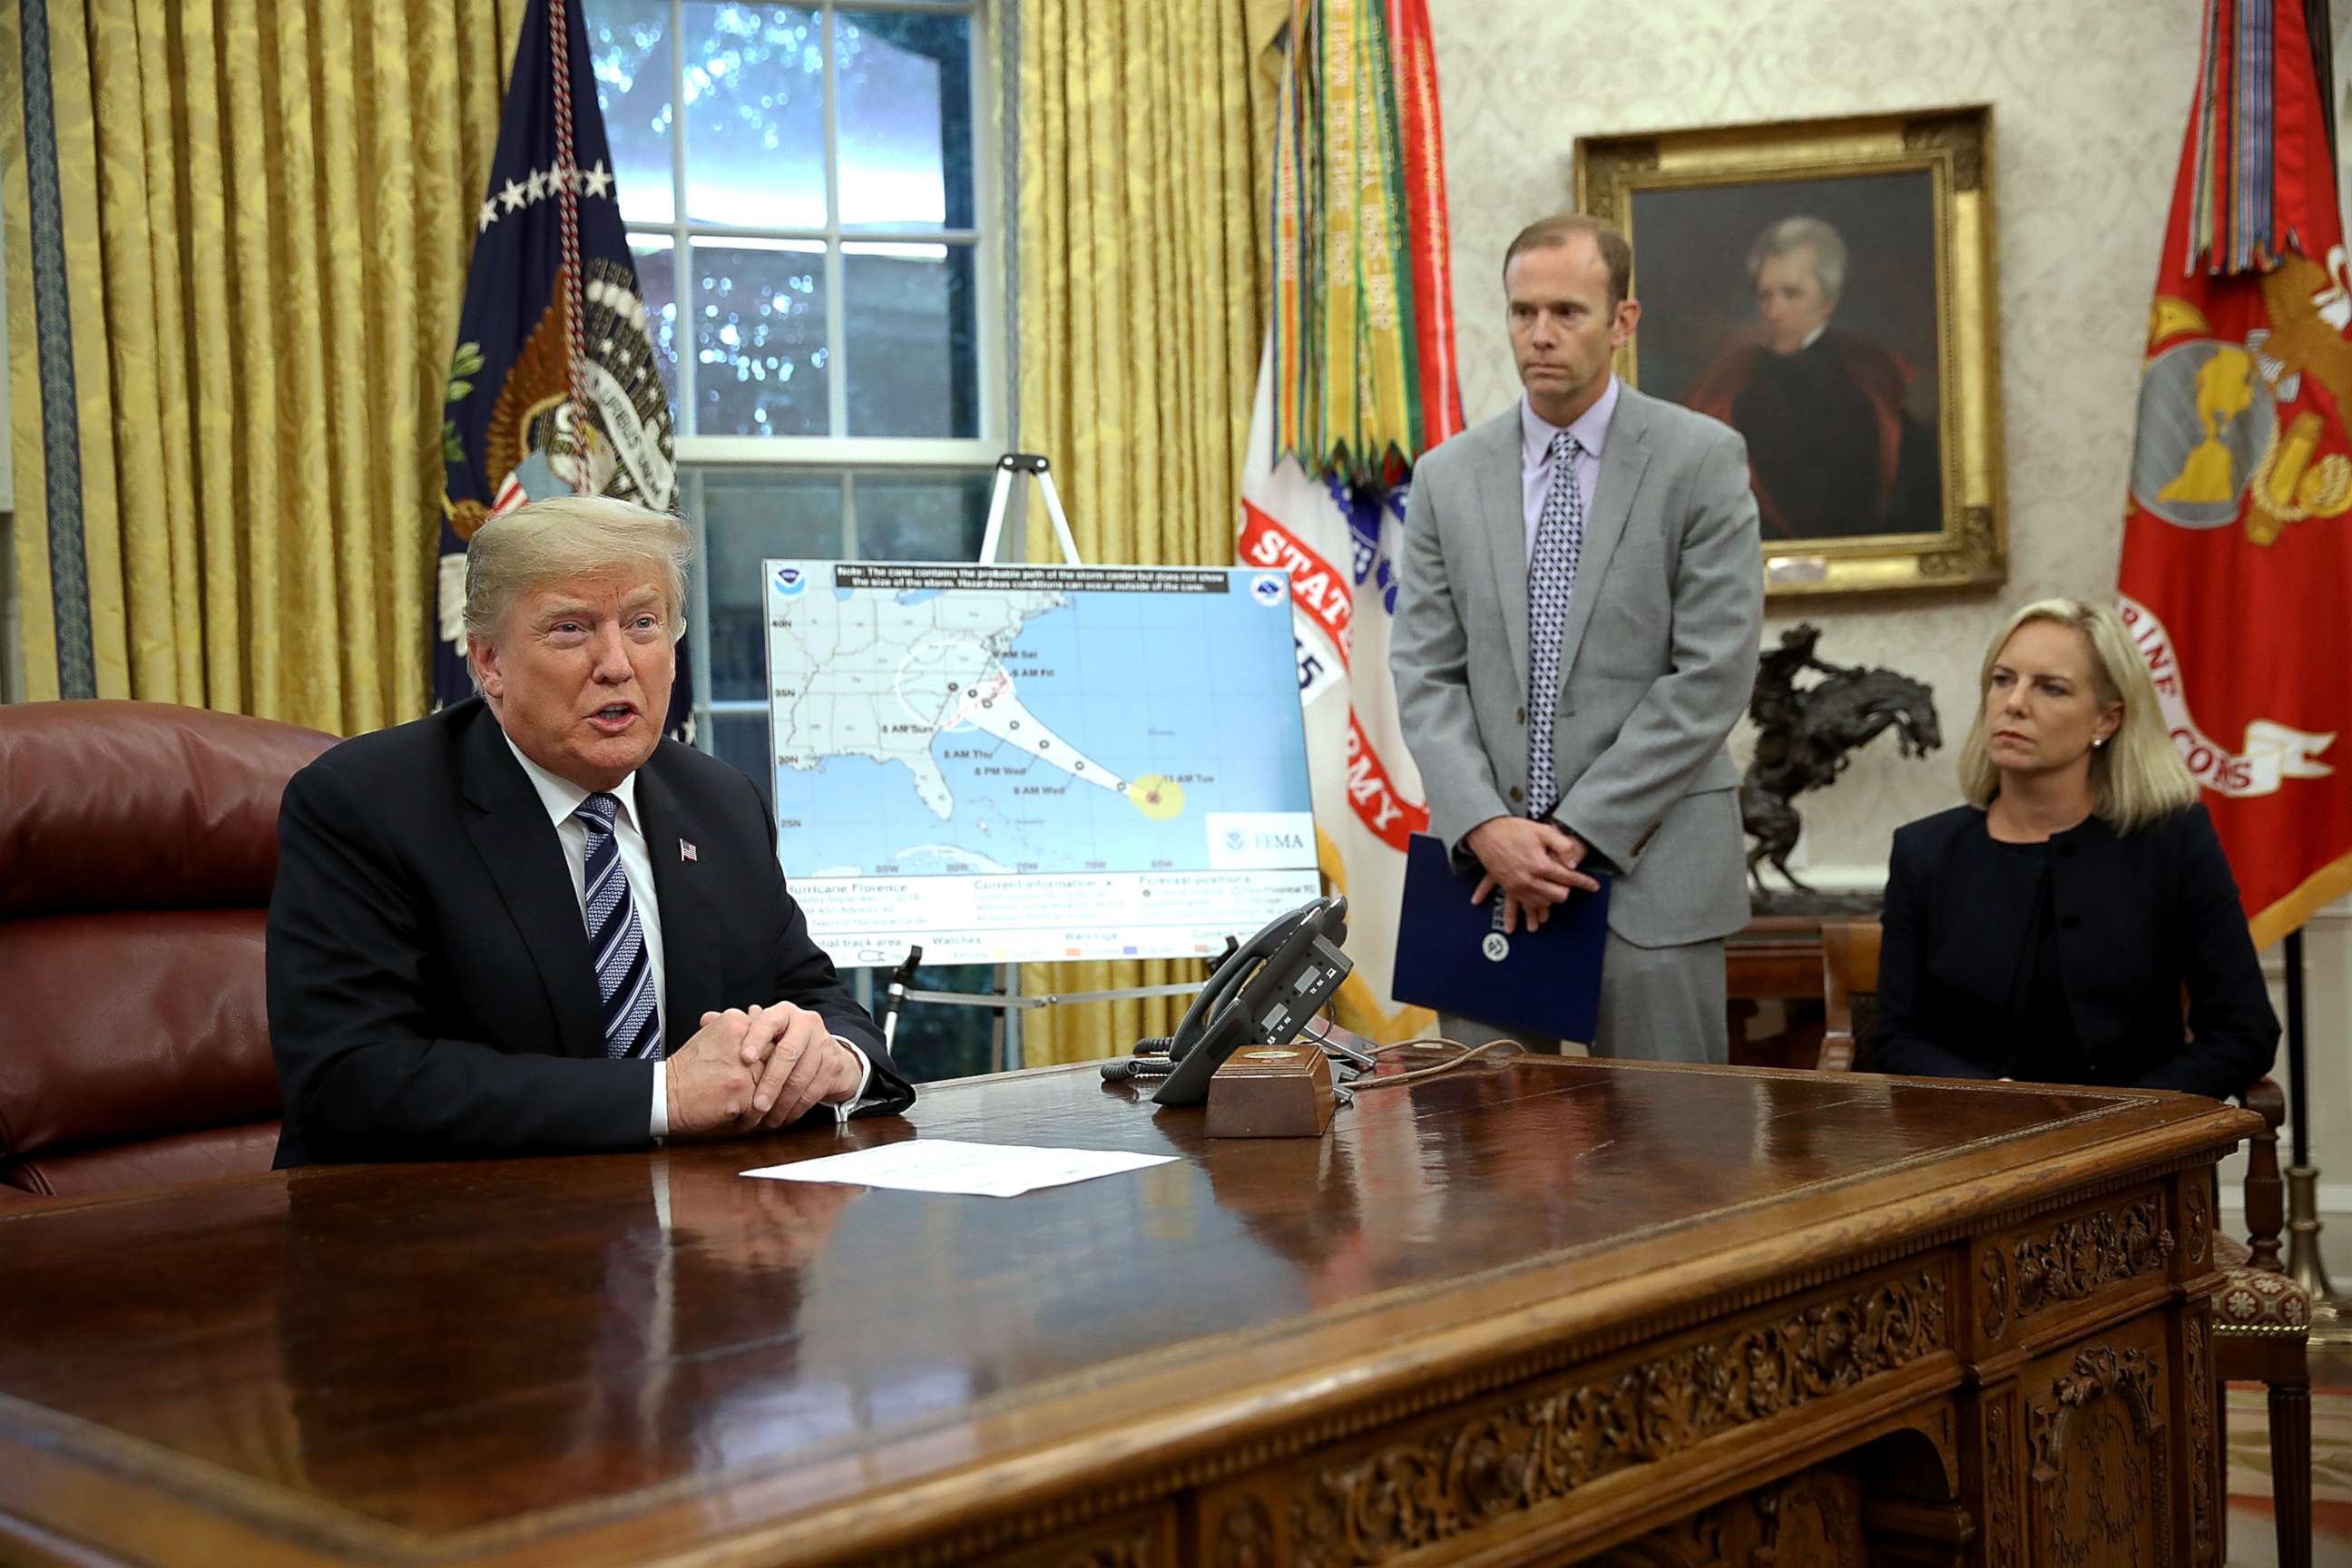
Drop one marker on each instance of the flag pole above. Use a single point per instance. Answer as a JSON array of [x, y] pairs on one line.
[[567, 199], [2331, 1316], [2329, 1322]]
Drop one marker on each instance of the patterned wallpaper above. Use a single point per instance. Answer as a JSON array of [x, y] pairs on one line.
[[2089, 99]]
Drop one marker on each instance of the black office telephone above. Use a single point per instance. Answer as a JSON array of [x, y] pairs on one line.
[[1260, 995]]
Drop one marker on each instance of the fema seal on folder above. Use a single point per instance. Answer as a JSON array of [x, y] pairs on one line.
[[1454, 956]]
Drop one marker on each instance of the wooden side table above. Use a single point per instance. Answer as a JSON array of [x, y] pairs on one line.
[[1774, 987]]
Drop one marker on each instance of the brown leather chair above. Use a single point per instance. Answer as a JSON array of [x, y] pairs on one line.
[[2261, 1320], [138, 842]]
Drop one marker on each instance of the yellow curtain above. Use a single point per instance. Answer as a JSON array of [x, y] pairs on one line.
[[1142, 251], [237, 244]]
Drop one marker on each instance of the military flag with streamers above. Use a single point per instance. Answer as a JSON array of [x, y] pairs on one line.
[[553, 388], [1357, 382], [2237, 564]]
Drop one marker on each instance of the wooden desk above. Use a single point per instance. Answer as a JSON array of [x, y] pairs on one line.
[[1515, 1315]]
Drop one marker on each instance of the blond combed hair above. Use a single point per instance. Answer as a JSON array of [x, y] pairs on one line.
[[2136, 777], [561, 536]]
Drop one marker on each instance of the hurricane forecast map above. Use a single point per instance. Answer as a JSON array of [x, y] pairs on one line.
[[1010, 764]]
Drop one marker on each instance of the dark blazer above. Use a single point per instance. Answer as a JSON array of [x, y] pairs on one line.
[[2137, 919], [431, 994]]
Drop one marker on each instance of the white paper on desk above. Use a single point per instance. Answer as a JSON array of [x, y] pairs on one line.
[[949, 1166]]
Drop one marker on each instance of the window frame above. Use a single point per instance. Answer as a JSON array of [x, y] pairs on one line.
[[849, 456]]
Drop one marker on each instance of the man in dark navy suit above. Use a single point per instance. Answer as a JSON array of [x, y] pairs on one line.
[[531, 922]]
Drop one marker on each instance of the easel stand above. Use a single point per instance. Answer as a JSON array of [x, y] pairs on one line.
[[1034, 464], [1005, 1002]]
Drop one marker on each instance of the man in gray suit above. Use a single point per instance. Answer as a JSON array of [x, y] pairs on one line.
[[1576, 633]]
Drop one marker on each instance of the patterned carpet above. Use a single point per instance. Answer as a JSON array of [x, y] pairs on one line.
[[2253, 1542]]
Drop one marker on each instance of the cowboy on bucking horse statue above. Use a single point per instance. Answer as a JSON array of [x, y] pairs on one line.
[[1804, 736]]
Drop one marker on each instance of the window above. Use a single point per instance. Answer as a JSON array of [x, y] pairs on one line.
[[813, 217]]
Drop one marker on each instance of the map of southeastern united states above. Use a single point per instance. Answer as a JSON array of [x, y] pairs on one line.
[[885, 673], [936, 726]]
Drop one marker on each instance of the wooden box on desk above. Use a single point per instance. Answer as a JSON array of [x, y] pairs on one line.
[[1271, 1091]]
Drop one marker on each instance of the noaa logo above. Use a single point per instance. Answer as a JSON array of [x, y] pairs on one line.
[[1497, 947], [791, 581], [1269, 587]]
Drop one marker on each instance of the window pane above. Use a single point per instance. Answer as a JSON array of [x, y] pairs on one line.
[[759, 359], [932, 1041], [746, 518], [742, 738], [754, 115], [922, 517], [912, 338], [904, 119], [629, 47], [657, 259]]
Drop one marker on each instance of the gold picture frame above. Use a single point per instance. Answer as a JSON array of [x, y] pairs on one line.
[[1871, 401]]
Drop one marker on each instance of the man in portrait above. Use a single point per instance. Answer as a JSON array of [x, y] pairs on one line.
[[1836, 446]]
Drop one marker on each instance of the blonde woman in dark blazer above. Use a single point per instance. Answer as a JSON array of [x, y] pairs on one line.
[[2049, 929]]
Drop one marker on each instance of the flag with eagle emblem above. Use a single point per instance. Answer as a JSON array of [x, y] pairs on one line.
[[554, 387], [2237, 561]]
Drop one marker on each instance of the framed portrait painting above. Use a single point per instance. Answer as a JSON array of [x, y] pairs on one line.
[[1827, 288]]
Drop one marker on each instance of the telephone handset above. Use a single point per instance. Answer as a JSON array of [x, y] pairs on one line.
[[1262, 994]]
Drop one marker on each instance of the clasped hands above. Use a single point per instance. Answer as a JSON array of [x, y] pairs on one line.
[[1534, 863], [756, 1070]]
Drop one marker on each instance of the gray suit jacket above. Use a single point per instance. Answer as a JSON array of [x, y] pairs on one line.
[[1657, 659]]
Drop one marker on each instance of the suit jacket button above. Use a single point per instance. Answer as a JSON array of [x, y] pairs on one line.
[[1516, 795]]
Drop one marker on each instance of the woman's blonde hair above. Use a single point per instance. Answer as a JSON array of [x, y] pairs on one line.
[[2136, 777], [561, 537]]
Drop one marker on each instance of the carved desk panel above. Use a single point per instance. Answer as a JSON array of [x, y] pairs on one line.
[[1521, 1313]]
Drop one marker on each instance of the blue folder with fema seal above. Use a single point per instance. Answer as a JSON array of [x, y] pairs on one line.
[[1452, 954]]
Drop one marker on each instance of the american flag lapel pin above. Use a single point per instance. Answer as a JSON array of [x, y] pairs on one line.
[[686, 850]]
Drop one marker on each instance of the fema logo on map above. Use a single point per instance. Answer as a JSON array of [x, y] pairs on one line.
[[1235, 839], [791, 581], [1269, 587]]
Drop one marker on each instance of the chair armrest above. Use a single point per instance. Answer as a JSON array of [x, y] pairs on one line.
[[2265, 1193]]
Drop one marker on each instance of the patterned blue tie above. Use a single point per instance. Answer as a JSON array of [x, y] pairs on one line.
[[616, 943], [1551, 576]]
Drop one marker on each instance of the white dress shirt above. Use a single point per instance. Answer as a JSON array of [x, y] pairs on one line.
[[1591, 428], [562, 799]]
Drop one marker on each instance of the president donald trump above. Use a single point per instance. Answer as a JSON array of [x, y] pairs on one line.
[[531, 922]]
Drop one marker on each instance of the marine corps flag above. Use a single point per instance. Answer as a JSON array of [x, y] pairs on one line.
[[1356, 383], [554, 387], [2237, 564]]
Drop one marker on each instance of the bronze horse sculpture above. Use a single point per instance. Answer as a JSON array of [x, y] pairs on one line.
[[1805, 736]]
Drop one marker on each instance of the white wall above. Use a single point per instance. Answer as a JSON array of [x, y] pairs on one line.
[[2090, 100]]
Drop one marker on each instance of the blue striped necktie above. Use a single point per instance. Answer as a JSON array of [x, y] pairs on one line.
[[625, 975], [1551, 578]]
